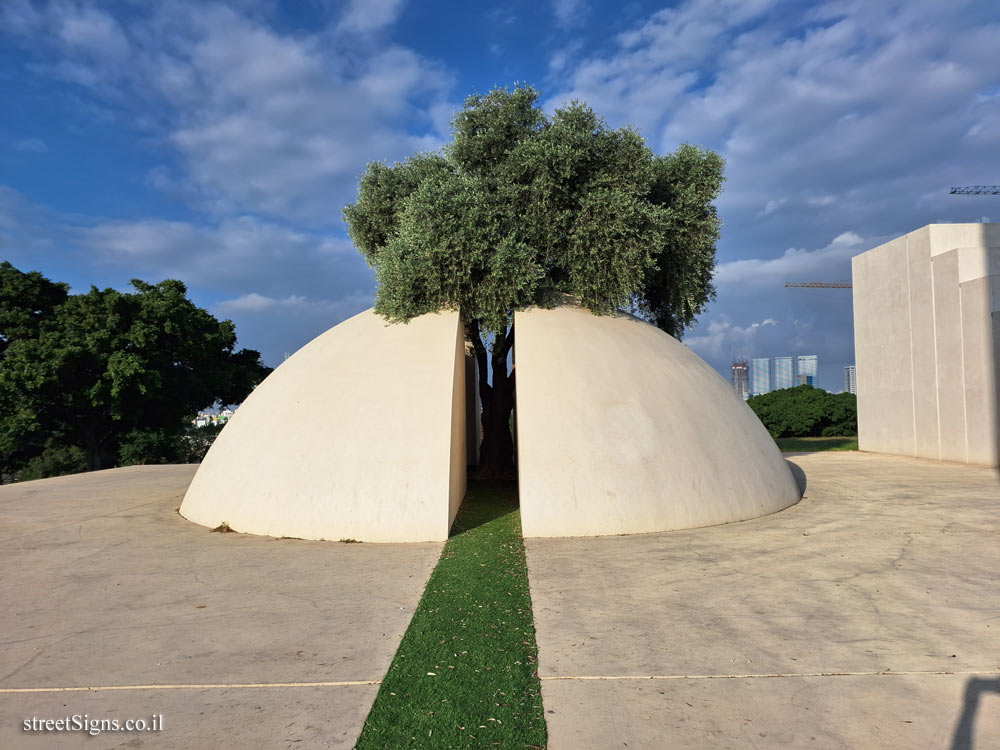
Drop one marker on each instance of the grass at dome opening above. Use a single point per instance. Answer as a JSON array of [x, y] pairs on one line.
[[810, 444], [465, 674]]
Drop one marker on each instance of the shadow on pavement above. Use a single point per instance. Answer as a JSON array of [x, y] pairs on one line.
[[800, 476], [974, 690]]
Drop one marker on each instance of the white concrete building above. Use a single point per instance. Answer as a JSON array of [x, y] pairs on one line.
[[927, 344]]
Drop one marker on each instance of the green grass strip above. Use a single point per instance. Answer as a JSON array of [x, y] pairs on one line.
[[818, 444], [465, 674]]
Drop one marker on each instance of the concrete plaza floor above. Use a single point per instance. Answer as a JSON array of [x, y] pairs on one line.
[[866, 616], [104, 585]]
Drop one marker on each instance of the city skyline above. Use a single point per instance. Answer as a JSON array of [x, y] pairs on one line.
[[786, 372]]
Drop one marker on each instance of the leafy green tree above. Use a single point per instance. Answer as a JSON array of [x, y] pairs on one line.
[[521, 207], [114, 374], [805, 411], [26, 299], [196, 441], [54, 461]]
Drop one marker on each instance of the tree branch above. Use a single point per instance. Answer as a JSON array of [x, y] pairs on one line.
[[508, 342], [472, 331]]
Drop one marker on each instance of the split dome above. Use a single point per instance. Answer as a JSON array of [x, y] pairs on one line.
[[365, 433]]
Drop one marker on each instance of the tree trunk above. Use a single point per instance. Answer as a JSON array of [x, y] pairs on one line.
[[98, 457], [496, 452]]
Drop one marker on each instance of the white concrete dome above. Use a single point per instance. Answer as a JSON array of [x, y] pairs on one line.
[[359, 435], [621, 429]]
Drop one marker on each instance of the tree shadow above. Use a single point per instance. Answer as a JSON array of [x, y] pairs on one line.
[[485, 500], [975, 687], [800, 476]]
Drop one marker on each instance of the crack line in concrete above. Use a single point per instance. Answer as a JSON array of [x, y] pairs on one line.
[[887, 673], [347, 683]]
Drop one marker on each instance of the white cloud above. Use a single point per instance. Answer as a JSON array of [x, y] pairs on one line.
[[569, 12], [844, 118], [821, 200], [366, 16], [93, 32], [562, 57], [772, 205], [19, 16], [830, 263], [282, 286], [234, 254], [724, 339], [293, 303], [280, 326], [257, 120], [254, 302], [31, 146], [756, 316], [815, 109]]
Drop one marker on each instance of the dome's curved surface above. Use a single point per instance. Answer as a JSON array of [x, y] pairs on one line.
[[359, 435], [622, 429]]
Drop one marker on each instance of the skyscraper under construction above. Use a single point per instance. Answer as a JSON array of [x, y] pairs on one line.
[[741, 378]]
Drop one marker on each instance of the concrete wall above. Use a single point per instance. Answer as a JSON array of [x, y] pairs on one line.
[[622, 429], [473, 409], [459, 456], [359, 435], [927, 344]]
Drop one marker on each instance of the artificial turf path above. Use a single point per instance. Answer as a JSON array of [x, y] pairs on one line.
[[465, 672]]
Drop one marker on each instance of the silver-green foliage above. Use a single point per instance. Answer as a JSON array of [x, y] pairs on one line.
[[522, 206]]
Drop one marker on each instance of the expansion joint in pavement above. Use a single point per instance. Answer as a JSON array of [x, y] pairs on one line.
[[194, 686], [885, 673]]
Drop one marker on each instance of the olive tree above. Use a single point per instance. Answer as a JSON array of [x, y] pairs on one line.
[[521, 207]]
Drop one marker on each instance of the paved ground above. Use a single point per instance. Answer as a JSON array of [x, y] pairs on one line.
[[866, 616], [105, 585]]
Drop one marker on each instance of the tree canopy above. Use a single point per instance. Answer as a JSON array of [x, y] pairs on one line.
[[108, 376], [521, 205], [521, 208], [805, 411]]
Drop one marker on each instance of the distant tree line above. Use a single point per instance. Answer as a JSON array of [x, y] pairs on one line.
[[107, 378], [805, 411]]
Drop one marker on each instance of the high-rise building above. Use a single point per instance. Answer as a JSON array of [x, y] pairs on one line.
[[760, 376], [808, 369], [741, 378], [851, 379], [782, 373]]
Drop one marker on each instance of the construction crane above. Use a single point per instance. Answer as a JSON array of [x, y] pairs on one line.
[[976, 190], [820, 284]]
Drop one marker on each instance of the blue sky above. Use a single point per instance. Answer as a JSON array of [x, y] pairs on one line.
[[218, 142]]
